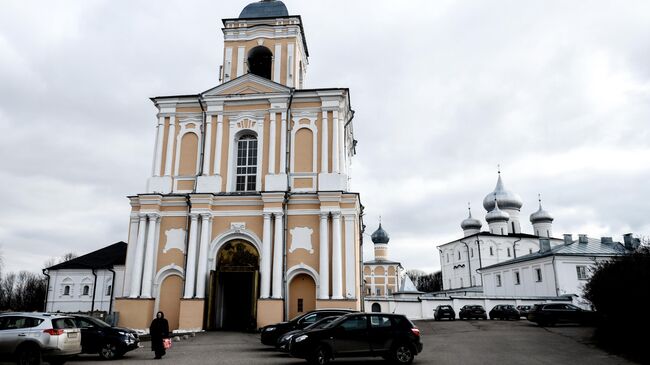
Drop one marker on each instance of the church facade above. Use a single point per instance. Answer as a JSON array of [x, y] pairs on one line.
[[248, 218]]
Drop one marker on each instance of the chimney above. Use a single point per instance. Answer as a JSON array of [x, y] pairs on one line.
[[582, 238], [544, 245], [568, 239], [606, 240], [630, 242]]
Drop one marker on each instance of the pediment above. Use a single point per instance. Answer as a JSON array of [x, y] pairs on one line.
[[247, 84]]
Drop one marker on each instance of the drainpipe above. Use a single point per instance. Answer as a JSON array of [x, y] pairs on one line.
[[92, 306], [514, 247], [47, 289], [110, 303], [557, 289], [469, 263], [202, 152], [285, 204], [362, 294], [480, 260], [188, 201]]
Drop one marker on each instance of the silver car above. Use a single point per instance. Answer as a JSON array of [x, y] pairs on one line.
[[29, 338]]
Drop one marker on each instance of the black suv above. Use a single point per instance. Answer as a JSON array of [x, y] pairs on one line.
[[504, 311], [550, 314], [472, 311], [391, 336], [98, 337], [444, 311], [272, 332]]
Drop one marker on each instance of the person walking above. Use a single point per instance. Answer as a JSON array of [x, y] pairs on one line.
[[159, 330]]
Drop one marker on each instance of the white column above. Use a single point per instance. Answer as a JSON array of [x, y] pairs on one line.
[[272, 144], [171, 137], [240, 61], [283, 144], [337, 257], [159, 142], [190, 269], [208, 144], [342, 154], [278, 245], [265, 286], [350, 262], [217, 152], [136, 273], [325, 148], [335, 141], [150, 254], [277, 63], [202, 271], [324, 258]]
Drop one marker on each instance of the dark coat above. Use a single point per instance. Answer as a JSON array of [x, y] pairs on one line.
[[158, 330]]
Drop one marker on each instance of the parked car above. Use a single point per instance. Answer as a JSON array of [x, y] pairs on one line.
[[271, 333], [444, 311], [285, 339], [504, 311], [550, 314], [472, 311], [524, 310], [98, 337], [29, 338], [391, 336]]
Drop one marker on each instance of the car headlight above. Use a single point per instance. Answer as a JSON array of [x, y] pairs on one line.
[[269, 329], [122, 333], [301, 338]]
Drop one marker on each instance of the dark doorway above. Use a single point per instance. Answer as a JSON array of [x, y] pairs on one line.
[[260, 60], [237, 291], [376, 307]]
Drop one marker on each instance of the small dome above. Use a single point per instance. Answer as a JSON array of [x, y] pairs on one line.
[[379, 236], [470, 223], [264, 9], [541, 216], [507, 199], [497, 215]]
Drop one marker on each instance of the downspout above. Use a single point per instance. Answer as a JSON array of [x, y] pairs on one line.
[[188, 201], [110, 303], [202, 152], [92, 306], [480, 260], [285, 203], [557, 289], [362, 293], [469, 263], [47, 289], [514, 247]]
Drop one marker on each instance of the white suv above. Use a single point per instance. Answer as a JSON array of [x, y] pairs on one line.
[[29, 338]]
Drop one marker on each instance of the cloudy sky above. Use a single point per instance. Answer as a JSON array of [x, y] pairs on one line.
[[556, 92]]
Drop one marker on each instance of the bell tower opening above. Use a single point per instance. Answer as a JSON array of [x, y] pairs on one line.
[[260, 60]]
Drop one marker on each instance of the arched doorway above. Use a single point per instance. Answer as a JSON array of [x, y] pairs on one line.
[[376, 307], [260, 60], [232, 299], [302, 295], [171, 290]]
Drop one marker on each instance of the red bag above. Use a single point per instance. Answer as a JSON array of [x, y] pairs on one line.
[[167, 343]]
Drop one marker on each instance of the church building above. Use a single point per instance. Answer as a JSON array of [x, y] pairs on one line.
[[248, 218]]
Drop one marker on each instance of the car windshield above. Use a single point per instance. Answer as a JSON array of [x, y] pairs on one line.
[[322, 323]]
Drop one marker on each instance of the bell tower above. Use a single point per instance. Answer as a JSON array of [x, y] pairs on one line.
[[266, 41]]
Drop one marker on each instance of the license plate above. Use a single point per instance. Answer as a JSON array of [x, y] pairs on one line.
[[72, 335]]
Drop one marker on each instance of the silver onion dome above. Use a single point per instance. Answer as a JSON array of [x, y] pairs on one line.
[[496, 214], [470, 222], [506, 198], [541, 215], [379, 236], [264, 9]]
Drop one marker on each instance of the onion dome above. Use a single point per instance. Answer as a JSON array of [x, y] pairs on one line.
[[264, 9], [469, 222], [506, 198], [379, 236], [541, 216], [496, 214]]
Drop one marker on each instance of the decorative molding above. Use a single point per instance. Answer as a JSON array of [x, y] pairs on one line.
[[238, 226], [301, 239]]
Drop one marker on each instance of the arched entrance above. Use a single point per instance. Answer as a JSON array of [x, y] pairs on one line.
[[170, 292], [260, 60], [302, 295], [376, 307], [232, 299]]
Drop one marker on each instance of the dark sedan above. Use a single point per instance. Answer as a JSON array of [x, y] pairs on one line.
[[285, 339], [98, 337], [550, 314], [472, 311], [271, 333], [444, 311], [504, 311]]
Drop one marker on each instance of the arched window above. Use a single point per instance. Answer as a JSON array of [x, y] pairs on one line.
[[491, 251], [260, 60], [109, 290], [86, 290], [66, 290], [508, 251], [459, 255], [376, 307], [246, 175]]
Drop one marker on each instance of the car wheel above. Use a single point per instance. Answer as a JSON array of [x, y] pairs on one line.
[[403, 354], [108, 351], [28, 355], [321, 356]]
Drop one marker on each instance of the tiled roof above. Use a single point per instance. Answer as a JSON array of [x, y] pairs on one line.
[[104, 258]]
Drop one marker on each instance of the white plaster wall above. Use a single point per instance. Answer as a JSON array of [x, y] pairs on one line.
[[76, 301]]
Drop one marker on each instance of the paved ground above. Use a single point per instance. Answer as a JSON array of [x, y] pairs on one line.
[[457, 342]]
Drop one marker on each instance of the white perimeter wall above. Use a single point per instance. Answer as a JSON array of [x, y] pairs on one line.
[[77, 279]]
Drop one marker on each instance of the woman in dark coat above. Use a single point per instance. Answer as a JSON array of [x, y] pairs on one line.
[[159, 330]]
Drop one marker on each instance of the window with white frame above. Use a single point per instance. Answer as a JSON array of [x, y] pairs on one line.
[[390, 291], [246, 168], [582, 272], [368, 291], [471, 252], [508, 251], [109, 290], [66, 290], [378, 291], [459, 255], [517, 278], [538, 274], [491, 251], [86, 290], [498, 279]]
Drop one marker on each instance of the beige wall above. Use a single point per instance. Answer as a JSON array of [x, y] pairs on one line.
[[191, 314], [269, 311], [134, 313], [171, 291], [302, 286]]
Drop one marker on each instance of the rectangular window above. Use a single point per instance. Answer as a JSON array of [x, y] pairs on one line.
[[300, 305], [246, 169], [538, 275], [498, 277], [517, 278], [368, 292], [390, 291], [582, 272], [378, 291], [459, 255], [491, 251], [471, 252], [508, 251]]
